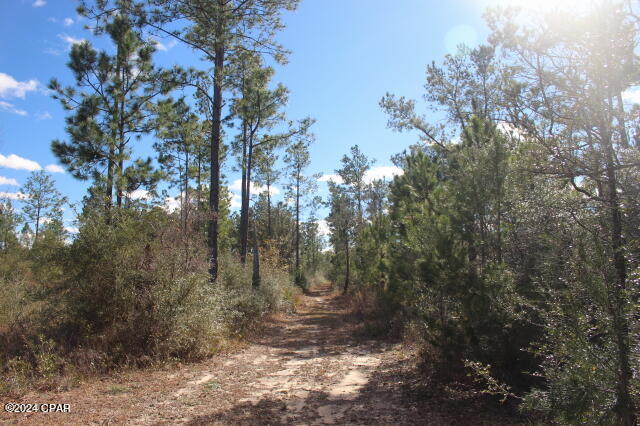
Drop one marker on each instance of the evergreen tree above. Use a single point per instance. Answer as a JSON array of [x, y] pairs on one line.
[[9, 221], [342, 221], [567, 97], [299, 187], [267, 175], [352, 172], [109, 106], [219, 30], [180, 134], [43, 202], [258, 109]]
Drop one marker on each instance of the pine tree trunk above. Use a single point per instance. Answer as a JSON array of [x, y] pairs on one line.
[[624, 403], [269, 209], [199, 181], [214, 195], [109, 189], [298, 227], [244, 207], [35, 240], [348, 272], [256, 257], [121, 138], [186, 189]]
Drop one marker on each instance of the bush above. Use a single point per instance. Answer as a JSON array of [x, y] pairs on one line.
[[130, 292]]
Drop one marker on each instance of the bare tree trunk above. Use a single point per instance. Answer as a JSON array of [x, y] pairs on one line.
[[244, 207], [35, 239], [185, 230], [109, 189], [199, 181], [119, 191], [348, 274], [624, 403], [214, 195], [186, 189], [298, 227], [269, 208], [256, 257]]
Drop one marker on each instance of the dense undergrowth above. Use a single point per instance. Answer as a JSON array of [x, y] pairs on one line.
[[132, 293]]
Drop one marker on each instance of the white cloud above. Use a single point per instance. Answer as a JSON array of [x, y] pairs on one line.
[[235, 201], [54, 168], [171, 204], [8, 181], [44, 220], [67, 22], [13, 195], [375, 173], [15, 162], [331, 178], [382, 172], [510, 130], [139, 194], [161, 46], [631, 95], [69, 39], [12, 88], [6, 106], [43, 115], [323, 227], [39, 3], [71, 229], [255, 189]]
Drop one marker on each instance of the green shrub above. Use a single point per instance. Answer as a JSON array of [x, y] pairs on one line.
[[132, 291]]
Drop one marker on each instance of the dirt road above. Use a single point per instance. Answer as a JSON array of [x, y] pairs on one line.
[[304, 368]]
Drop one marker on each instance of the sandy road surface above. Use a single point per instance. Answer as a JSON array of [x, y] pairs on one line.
[[304, 368]]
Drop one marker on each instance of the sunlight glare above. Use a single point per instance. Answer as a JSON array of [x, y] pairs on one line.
[[545, 5]]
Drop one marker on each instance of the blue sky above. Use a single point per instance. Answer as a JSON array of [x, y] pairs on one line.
[[346, 54]]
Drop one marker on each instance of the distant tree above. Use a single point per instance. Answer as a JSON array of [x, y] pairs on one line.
[[342, 220], [9, 221], [219, 30], [259, 109], [26, 236], [353, 171], [42, 202], [267, 175], [180, 141], [299, 187]]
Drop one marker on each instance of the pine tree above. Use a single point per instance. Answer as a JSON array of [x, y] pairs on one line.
[[567, 98], [109, 106], [352, 172], [267, 175], [42, 202], [299, 187], [342, 221], [219, 30], [180, 134], [9, 221], [258, 109]]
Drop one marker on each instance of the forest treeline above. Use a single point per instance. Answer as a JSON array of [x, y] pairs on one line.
[[147, 276], [510, 240]]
